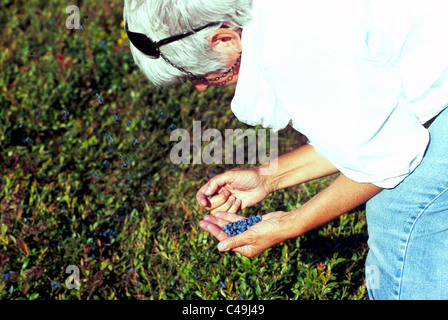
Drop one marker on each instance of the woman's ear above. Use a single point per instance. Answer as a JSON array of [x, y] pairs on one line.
[[225, 41]]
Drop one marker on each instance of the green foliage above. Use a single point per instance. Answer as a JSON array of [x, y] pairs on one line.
[[141, 242]]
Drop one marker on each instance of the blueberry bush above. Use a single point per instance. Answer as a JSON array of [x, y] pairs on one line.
[[86, 178]]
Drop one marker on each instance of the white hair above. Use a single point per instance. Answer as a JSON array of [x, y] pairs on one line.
[[160, 19]]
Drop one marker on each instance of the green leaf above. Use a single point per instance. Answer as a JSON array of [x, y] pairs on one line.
[[4, 228], [25, 288]]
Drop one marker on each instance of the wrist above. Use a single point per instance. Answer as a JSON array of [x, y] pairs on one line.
[[267, 181], [289, 225]]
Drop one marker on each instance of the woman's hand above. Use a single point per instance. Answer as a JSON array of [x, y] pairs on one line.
[[237, 190], [273, 229]]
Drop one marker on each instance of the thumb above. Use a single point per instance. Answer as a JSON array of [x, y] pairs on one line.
[[233, 242], [216, 183]]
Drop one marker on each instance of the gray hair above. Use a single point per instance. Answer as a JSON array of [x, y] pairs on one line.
[[159, 19]]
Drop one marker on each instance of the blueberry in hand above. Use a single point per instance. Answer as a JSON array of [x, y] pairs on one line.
[[234, 228], [212, 195]]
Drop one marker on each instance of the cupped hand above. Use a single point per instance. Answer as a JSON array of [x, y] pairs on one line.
[[259, 237], [236, 190]]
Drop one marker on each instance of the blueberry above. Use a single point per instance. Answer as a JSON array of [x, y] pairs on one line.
[[98, 98], [27, 141], [234, 228], [55, 284]]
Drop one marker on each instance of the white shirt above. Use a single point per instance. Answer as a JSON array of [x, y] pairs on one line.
[[359, 78]]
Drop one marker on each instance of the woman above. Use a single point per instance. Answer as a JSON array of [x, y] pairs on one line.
[[365, 81]]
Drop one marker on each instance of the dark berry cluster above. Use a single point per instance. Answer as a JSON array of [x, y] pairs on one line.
[[55, 284], [98, 98], [234, 228]]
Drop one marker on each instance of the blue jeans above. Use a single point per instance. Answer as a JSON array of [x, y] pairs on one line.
[[408, 229]]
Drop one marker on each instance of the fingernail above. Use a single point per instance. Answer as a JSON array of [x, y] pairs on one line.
[[223, 246]]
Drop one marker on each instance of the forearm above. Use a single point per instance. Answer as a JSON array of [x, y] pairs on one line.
[[299, 166], [340, 197], [276, 227]]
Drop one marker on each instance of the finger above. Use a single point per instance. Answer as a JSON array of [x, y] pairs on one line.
[[212, 202], [219, 200], [235, 207], [200, 196], [226, 206], [214, 229], [216, 183], [239, 243], [218, 221], [228, 216], [212, 219]]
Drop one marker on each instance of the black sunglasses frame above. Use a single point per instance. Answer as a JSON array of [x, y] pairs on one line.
[[151, 48]]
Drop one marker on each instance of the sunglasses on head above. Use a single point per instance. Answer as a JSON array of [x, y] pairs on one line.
[[152, 48]]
